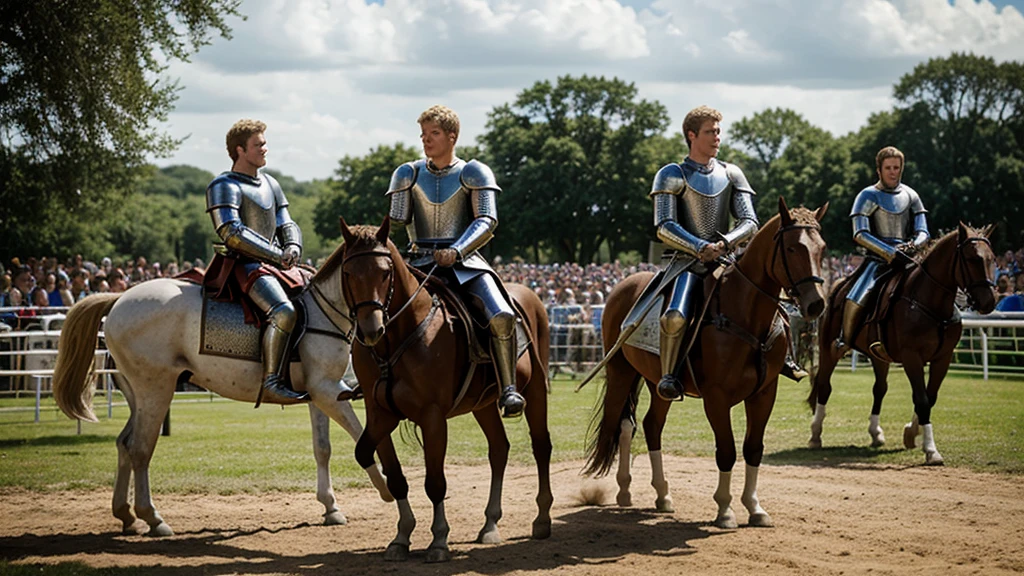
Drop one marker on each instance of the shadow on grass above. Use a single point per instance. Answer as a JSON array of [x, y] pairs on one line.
[[78, 440], [581, 537]]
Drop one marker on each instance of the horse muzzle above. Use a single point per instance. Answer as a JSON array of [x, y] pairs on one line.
[[370, 328]]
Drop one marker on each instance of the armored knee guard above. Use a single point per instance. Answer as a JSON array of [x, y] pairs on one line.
[[503, 353], [673, 328]]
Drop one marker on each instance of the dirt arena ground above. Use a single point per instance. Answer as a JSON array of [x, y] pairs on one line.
[[829, 520]]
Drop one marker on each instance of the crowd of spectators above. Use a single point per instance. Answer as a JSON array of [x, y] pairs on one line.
[[32, 286], [39, 283]]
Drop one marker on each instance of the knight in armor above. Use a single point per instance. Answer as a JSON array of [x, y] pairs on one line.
[[890, 221], [250, 213], [693, 201], [449, 207]]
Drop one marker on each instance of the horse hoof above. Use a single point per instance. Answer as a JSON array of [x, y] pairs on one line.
[[726, 522], [491, 536], [664, 505], [878, 441], [933, 459], [438, 555], [761, 520], [814, 443], [541, 529], [335, 518], [909, 436], [160, 530], [396, 552], [624, 499]]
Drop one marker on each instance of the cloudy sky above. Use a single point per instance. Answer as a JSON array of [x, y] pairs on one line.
[[337, 77]]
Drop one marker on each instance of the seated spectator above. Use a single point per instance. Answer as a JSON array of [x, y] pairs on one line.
[[1003, 287], [1011, 303]]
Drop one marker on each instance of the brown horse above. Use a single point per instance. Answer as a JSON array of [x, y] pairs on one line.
[[413, 363], [922, 327], [736, 356]]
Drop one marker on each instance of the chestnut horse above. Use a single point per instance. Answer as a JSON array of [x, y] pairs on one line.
[[413, 363], [923, 327], [735, 359]]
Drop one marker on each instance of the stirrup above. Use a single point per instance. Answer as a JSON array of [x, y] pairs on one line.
[[275, 386], [350, 393], [792, 370], [670, 388], [511, 403]]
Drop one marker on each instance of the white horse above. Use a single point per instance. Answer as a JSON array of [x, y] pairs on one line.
[[153, 334]]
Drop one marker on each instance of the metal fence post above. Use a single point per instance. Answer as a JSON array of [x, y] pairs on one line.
[[39, 394], [984, 352]]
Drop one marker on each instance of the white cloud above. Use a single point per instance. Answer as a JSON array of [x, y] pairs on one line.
[[336, 77]]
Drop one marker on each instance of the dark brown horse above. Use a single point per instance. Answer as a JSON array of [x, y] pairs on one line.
[[736, 357], [922, 326], [412, 361]]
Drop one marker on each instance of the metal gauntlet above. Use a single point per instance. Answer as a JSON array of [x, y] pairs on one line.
[[242, 239]]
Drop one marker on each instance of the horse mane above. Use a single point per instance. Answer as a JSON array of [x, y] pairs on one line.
[[363, 235], [930, 245]]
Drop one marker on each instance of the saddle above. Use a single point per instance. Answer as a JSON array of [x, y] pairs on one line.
[[231, 324], [478, 335], [888, 290]]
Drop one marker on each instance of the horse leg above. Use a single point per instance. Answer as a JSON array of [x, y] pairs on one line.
[[322, 455], [325, 399], [937, 371], [148, 419], [914, 369], [759, 410], [879, 390], [122, 510], [622, 476], [377, 437], [497, 454], [654, 424], [821, 386], [540, 442], [435, 445], [717, 412]]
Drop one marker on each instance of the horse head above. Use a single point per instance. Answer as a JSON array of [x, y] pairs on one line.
[[368, 277], [796, 260], [972, 269]]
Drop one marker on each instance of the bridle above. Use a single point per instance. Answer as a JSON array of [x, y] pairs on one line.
[[780, 246], [959, 265], [377, 304]]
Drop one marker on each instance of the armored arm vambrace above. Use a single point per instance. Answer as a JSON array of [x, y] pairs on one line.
[[288, 231], [481, 229], [863, 237], [669, 230], [746, 220], [401, 210], [921, 234], [242, 239]]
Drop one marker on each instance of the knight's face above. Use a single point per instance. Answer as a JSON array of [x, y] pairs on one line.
[[707, 141], [255, 152], [890, 172], [436, 142]]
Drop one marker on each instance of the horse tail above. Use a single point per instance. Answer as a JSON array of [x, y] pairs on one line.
[[76, 353], [615, 403]]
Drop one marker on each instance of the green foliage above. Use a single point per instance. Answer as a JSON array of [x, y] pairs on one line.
[[82, 86], [574, 160], [356, 193]]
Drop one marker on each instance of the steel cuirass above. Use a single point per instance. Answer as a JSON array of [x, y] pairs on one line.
[[249, 213], [884, 219]]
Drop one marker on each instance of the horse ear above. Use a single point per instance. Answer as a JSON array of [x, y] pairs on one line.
[[384, 231], [988, 230], [820, 212], [787, 219], [961, 233], [346, 233]]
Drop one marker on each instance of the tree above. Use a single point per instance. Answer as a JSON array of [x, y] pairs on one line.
[[81, 84], [574, 160], [356, 192], [959, 120]]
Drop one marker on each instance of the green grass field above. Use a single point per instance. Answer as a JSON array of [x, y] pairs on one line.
[[227, 447]]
